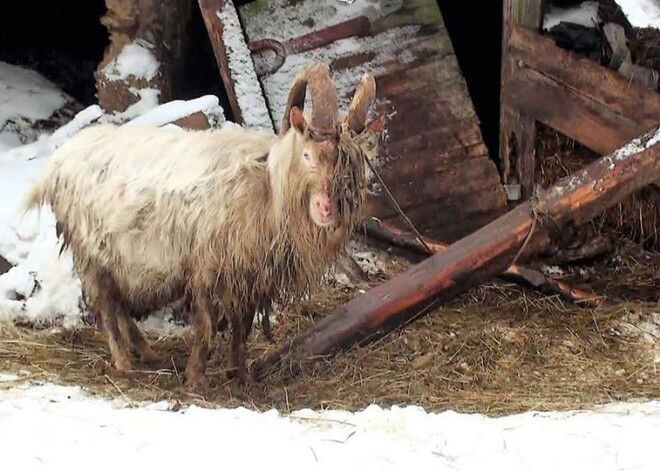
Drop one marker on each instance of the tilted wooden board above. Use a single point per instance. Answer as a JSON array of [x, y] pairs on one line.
[[432, 154]]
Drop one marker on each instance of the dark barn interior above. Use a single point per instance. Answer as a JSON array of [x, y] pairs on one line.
[[477, 41]]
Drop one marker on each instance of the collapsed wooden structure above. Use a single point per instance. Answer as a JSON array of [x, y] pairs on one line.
[[540, 83]]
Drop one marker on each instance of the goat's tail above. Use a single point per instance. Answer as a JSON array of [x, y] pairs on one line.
[[35, 197]]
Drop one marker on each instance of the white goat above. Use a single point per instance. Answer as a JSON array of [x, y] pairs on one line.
[[231, 219]]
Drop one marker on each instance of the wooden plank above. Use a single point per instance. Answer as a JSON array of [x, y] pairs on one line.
[[453, 181], [215, 29], [517, 130], [419, 87], [582, 119], [480, 256], [587, 78]]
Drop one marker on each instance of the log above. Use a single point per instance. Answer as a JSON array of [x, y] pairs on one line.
[[478, 257], [584, 77], [515, 273]]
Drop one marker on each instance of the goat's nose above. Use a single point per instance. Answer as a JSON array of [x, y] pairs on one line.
[[324, 207]]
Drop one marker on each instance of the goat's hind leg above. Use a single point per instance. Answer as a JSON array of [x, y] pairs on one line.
[[104, 302]]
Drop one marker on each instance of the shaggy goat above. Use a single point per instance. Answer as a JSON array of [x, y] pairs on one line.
[[231, 219]]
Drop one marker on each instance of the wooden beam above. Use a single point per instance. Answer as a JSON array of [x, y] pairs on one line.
[[483, 254], [578, 117], [210, 9], [589, 80], [517, 130], [515, 273]]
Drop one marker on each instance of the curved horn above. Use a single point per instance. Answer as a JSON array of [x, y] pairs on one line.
[[364, 96], [324, 97]]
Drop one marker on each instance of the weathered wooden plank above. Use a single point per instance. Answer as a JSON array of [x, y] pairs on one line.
[[585, 77], [517, 130], [580, 118], [464, 176], [440, 139], [480, 206], [482, 255], [215, 29], [419, 87]]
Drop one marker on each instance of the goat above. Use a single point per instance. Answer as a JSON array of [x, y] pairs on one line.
[[231, 219]]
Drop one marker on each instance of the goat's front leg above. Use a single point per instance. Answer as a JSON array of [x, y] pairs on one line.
[[204, 325]]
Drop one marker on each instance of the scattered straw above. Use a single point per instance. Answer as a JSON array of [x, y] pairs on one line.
[[496, 349]]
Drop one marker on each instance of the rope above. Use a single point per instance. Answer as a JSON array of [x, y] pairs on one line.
[[348, 184]]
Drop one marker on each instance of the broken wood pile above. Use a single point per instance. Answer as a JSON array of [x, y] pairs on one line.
[[541, 82], [479, 256]]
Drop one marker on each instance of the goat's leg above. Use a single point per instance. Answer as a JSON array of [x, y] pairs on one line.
[[135, 337], [238, 347], [104, 302], [205, 320]]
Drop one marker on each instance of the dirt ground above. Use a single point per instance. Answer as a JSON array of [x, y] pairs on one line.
[[499, 348]]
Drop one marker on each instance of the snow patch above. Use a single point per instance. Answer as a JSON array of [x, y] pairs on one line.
[[646, 326], [25, 97], [641, 13], [134, 60], [585, 14], [619, 436], [177, 109], [636, 146], [246, 85]]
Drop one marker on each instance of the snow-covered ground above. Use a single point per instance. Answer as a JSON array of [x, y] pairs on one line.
[[47, 426], [640, 13], [53, 427]]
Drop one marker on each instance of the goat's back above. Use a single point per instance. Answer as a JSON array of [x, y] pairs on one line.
[[136, 199]]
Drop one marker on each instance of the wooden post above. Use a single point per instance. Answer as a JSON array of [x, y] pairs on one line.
[[483, 254], [209, 9], [517, 129]]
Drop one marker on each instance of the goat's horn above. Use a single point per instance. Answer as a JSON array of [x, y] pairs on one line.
[[324, 97], [364, 96]]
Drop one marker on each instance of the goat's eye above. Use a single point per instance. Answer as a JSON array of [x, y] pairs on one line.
[[306, 156]]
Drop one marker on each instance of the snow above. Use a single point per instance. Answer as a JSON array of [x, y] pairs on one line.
[[585, 14], [134, 60], [48, 426], [641, 13], [42, 287], [177, 109], [25, 97], [246, 85]]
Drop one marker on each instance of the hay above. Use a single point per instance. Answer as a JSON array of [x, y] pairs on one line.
[[636, 218], [497, 349]]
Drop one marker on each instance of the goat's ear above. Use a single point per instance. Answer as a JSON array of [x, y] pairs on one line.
[[297, 119]]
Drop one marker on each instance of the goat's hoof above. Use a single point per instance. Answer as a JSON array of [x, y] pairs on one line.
[[123, 364]]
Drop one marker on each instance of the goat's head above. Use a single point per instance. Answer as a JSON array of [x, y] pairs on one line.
[[319, 138]]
